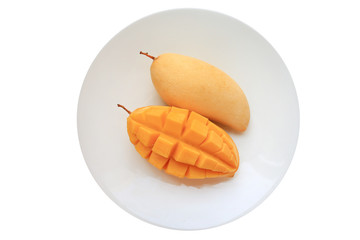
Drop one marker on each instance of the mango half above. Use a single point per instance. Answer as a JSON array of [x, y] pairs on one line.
[[193, 84], [182, 143]]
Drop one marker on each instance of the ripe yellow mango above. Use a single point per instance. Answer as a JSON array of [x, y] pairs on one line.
[[182, 142], [193, 84]]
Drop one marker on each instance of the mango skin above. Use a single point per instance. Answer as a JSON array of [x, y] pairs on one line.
[[193, 84]]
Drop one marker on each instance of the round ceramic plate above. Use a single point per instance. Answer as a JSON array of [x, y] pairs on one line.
[[119, 74]]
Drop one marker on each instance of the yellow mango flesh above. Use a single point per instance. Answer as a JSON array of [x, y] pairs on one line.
[[182, 143], [193, 84]]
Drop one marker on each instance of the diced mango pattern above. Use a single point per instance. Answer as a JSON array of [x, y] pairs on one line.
[[147, 136], [164, 146], [183, 143], [186, 154], [213, 142]]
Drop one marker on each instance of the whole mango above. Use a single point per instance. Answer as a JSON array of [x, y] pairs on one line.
[[193, 84]]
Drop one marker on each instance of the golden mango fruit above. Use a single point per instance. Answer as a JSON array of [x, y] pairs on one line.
[[193, 84], [182, 142]]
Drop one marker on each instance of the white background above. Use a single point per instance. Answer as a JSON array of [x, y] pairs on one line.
[[46, 190]]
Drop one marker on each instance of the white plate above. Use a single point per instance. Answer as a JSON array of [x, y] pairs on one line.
[[119, 74]]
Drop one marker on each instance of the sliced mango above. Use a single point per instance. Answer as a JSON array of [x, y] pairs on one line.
[[182, 142]]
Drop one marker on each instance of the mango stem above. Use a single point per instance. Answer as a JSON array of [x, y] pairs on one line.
[[146, 54], [124, 108]]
